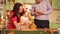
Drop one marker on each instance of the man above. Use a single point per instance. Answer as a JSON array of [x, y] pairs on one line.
[[41, 9]]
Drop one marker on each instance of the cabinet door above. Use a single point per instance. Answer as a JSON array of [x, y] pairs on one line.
[[56, 4]]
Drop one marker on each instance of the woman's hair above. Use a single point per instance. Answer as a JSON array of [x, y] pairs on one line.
[[16, 9]]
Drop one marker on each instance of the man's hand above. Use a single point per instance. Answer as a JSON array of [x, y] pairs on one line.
[[39, 13]]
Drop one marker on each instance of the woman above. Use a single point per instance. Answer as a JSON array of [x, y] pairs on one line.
[[15, 15]]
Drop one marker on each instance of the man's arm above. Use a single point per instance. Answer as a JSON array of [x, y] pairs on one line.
[[34, 12], [49, 8]]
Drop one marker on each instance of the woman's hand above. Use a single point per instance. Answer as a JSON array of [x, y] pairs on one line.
[[15, 23], [21, 23]]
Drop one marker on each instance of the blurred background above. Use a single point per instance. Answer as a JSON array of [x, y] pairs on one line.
[[7, 5], [54, 17]]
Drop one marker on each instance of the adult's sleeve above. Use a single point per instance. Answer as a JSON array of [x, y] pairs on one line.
[[49, 8]]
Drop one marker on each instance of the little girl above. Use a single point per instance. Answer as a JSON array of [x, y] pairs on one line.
[[24, 21]]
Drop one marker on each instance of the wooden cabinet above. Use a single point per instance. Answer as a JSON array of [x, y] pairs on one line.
[[56, 4]]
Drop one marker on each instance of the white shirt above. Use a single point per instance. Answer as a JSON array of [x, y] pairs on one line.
[[24, 19], [44, 5]]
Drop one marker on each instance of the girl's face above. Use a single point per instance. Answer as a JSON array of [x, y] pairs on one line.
[[21, 9], [26, 13]]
